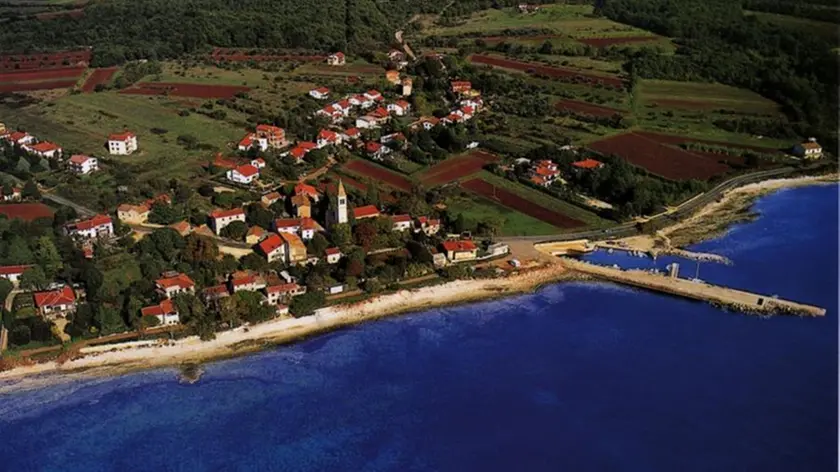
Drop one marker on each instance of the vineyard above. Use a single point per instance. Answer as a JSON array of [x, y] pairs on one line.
[[520, 204]]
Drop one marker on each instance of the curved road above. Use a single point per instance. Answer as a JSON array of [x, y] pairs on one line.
[[685, 209]]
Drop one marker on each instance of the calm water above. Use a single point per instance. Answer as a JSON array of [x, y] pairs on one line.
[[582, 377]]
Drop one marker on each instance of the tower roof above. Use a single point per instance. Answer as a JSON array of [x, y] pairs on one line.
[[341, 192]]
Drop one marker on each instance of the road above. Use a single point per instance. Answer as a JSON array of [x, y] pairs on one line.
[[81, 210], [684, 210]]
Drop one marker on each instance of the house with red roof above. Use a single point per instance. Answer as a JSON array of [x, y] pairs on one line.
[[283, 292], [401, 222], [396, 138], [336, 59], [122, 143], [427, 225], [333, 255], [249, 141], [254, 235], [271, 137], [452, 118], [174, 283], [221, 218], [20, 138], [183, 227], [166, 313], [137, 214], [368, 211], [306, 227], [376, 150], [320, 93], [43, 149], [351, 134], [245, 281], [425, 122], [244, 174], [460, 251], [100, 226], [215, 292], [544, 173], [373, 95], [588, 164], [399, 108], [54, 303], [12, 273], [80, 164], [273, 248], [328, 138], [460, 86], [308, 190], [270, 199]]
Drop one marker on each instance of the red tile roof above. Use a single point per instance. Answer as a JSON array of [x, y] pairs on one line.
[[223, 213], [331, 251], [459, 246], [298, 153], [79, 159], [96, 221], [282, 288], [216, 290], [352, 132], [372, 147], [286, 223], [270, 129], [587, 164], [247, 279], [165, 307], [255, 231], [308, 145], [401, 218], [121, 136], [380, 113], [369, 210], [402, 104], [44, 146], [13, 269], [181, 280], [65, 296], [17, 136], [270, 244], [247, 170], [322, 90], [306, 189], [308, 223], [327, 135], [247, 141]]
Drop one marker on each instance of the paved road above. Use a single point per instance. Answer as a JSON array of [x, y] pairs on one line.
[[684, 210], [81, 210]]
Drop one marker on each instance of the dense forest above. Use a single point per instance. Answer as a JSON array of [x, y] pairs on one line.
[[121, 30], [718, 43]]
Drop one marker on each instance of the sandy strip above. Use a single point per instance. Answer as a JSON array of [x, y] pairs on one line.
[[123, 357]]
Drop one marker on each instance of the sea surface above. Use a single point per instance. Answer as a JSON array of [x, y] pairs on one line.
[[576, 377]]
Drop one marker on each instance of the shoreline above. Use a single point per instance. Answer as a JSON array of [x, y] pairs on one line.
[[122, 358]]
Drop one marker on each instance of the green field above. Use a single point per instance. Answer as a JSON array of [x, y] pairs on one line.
[[705, 96], [545, 200], [824, 29], [571, 20], [82, 122], [510, 222]]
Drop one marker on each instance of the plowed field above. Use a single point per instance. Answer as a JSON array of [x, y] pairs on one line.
[[514, 201], [541, 69], [99, 76], [457, 167]]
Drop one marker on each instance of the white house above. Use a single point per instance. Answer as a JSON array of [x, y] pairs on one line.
[[321, 93], [166, 313], [221, 218], [96, 227], [43, 149], [83, 164], [397, 138], [336, 59], [20, 138], [333, 255], [55, 303], [327, 138], [259, 163], [172, 284], [401, 222], [122, 143], [427, 225], [376, 150], [12, 273], [373, 95], [399, 108], [273, 248], [367, 122], [809, 149], [244, 174]]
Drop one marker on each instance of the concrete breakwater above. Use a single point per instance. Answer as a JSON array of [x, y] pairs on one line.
[[739, 300]]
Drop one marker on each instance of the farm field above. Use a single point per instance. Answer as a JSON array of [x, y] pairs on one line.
[[541, 69], [81, 123], [185, 90], [40, 61], [456, 167], [572, 20], [26, 211], [660, 154], [703, 96], [378, 173], [38, 75], [586, 108], [511, 200], [99, 77], [510, 222], [33, 86], [544, 200]]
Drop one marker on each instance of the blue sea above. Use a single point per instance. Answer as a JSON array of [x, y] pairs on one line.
[[576, 377]]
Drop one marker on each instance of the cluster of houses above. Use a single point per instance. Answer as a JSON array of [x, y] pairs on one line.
[[545, 172], [469, 103], [123, 143]]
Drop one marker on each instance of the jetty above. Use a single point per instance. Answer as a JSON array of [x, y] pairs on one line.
[[739, 300]]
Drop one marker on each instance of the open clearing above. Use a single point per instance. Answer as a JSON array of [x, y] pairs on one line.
[[702, 96]]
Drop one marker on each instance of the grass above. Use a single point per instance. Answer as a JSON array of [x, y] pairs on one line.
[[824, 29], [173, 72], [511, 223], [82, 123], [710, 95], [545, 200], [572, 20]]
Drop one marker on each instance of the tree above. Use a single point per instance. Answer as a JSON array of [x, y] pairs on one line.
[[33, 278], [198, 249], [306, 304], [235, 230], [47, 256], [164, 214], [259, 216], [341, 235], [30, 191], [93, 280], [18, 253], [253, 261], [364, 234], [6, 288], [318, 245], [108, 320]]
